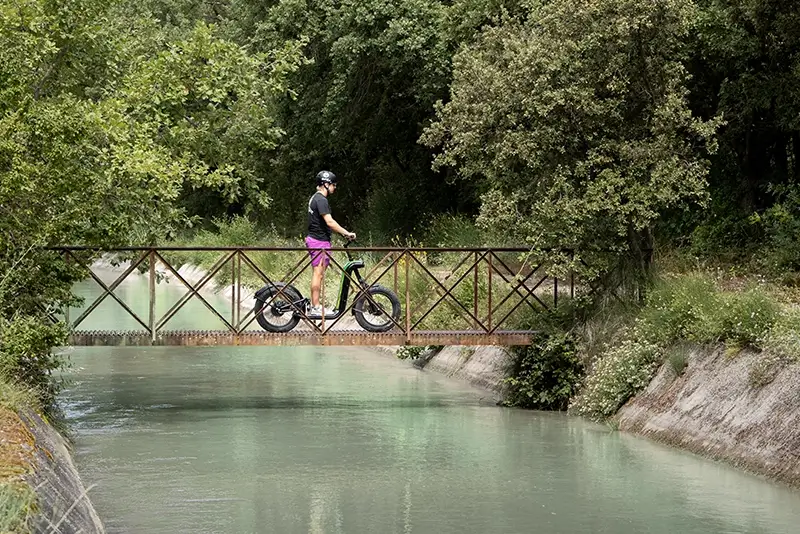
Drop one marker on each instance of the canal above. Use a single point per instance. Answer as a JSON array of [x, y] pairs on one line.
[[343, 440]]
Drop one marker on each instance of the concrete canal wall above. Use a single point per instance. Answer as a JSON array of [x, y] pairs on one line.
[[742, 409], [41, 459]]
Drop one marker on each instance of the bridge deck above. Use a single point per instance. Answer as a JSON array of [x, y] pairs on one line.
[[331, 338]]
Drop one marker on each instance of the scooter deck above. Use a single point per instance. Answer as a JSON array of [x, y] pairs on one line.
[[328, 316]]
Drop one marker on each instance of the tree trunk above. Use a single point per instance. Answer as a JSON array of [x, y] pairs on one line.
[[640, 247]]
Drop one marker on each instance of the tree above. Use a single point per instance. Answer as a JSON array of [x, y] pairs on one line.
[[577, 121], [375, 69], [211, 106], [100, 139], [746, 67]]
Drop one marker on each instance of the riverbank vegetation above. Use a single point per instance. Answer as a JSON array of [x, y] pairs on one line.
[[613, 128]]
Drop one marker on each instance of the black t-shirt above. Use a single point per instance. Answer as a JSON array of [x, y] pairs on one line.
[[317, 227]]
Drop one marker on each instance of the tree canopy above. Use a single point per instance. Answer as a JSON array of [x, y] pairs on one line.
[[577, 120], [592, 124]]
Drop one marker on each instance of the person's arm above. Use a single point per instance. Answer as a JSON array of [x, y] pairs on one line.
[[336, 227]]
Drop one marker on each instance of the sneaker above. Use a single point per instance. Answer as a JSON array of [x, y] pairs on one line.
[[317, 311]]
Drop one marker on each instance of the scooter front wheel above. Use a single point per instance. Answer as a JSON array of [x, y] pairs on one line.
[[376, 314], [276, 314]]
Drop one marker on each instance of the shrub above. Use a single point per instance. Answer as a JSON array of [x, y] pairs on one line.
[[692, 308], [414, 352], [747, 317], [407, 352], [545, 374], [447, 230], [17, 507], [621, 373], [678, 358], [685, 308], [26, 356], [16, 396], [784, 336], [689, 308], [781, 224]]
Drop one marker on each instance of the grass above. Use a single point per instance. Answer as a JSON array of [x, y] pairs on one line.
[[678, 358], [17, 498], [15, 397], [17, 502]]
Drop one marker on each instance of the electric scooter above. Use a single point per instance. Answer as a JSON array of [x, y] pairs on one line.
[[279, 306]]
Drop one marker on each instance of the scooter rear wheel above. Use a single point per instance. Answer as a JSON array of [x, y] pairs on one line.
[[274, 314]]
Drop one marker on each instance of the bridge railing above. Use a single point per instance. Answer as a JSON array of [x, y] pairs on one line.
[[482, 292]]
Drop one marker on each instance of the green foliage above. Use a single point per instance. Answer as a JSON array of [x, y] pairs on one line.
[[570, 123], [747, 317], [746, 67], [241, 231], [410, 351], [577, 122], [745, 59], [452, 230], [678, 358], [546, 374], [26, 356], [376, 68], [781, 226], [784, 337], [17, 507], [620, 373], [15, 396], [687, 309], [107, 129], [236, 231], [693, 308], [209, 103]]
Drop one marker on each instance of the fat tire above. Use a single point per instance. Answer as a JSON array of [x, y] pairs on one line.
[[358, 309], [264, 296]]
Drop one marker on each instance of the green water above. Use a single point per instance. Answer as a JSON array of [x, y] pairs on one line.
[[311, 440]]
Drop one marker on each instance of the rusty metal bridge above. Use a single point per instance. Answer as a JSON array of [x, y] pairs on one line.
[[448, 296]]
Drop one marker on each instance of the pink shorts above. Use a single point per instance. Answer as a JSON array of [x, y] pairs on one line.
[[318, 257]]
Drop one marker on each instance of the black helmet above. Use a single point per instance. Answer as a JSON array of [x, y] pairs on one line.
[[326, 177]]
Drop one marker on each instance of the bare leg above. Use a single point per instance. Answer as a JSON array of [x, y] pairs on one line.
[[317, 279]]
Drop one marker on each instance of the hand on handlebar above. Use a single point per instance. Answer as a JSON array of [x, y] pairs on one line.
[[351, 236]]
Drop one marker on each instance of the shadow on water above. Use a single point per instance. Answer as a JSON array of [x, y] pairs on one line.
[[222, 404]]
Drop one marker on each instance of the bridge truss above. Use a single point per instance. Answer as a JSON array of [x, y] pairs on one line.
[[449, 296]]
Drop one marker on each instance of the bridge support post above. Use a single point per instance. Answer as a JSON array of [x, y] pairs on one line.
[[66, 311], [234, 283], [475, 294], [238, 290], [408, 300], [489, 290], [152, 321]]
